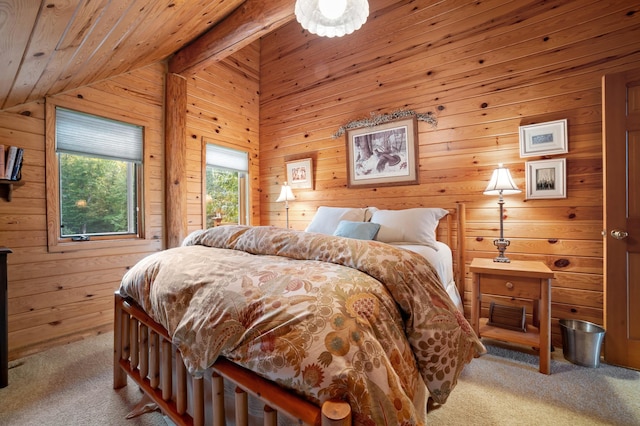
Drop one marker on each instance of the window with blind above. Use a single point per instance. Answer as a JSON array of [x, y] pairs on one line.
[[227, 186], [99, 173]]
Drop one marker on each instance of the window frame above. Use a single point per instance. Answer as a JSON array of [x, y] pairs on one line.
[[57, 243], [244, 210]]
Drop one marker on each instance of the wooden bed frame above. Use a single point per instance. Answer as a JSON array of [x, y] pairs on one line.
[[452, 233], [143, 351]]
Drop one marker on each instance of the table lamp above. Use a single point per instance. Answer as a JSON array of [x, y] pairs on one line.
[[501, 184], [286, 195]]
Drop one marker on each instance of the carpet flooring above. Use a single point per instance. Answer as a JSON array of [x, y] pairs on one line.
[[72, 385]]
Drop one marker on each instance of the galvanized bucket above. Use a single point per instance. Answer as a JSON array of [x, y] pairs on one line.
[[581, 342]]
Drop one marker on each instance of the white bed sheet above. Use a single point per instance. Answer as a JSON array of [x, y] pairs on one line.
[[442, 260]]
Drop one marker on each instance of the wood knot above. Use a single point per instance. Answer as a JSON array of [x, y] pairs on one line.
[[574, 310], [562, 263]]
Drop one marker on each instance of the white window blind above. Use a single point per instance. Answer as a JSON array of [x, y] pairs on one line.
[[227, 158], [80, 133]]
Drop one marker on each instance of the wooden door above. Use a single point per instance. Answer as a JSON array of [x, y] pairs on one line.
[[621, 159]]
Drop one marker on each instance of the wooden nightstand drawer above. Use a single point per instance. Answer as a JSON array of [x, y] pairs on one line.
[[500, 285]]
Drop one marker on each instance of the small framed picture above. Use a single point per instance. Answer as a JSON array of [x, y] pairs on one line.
[[300, 173], [544, 139], [546, 179]]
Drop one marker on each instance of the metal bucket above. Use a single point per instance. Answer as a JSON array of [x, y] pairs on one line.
[[581, 342]]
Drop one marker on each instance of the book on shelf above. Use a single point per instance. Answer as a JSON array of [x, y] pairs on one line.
[[15, 173], [10, 161]]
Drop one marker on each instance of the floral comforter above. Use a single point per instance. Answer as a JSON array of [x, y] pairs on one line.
[[328, 317]]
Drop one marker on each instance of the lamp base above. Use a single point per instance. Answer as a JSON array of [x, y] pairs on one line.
[[502, 245], [502, 259]]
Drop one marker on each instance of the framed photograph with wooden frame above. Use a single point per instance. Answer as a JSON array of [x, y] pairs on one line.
[[544, 139], [384, 155], [546, 179], [300, 173]]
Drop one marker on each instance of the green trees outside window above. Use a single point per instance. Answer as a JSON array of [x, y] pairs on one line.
[[97, 196], [223, 196]]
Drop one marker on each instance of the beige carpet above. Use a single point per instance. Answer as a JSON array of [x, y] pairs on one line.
[[504, 387], [71, 385]]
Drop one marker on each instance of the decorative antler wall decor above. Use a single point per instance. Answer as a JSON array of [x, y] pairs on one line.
[[376, 119]]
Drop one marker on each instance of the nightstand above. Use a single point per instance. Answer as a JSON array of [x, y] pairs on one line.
[[517, 280]]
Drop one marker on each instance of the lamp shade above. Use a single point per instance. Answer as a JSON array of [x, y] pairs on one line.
[[285, 194], [331, 18], [501, 183]]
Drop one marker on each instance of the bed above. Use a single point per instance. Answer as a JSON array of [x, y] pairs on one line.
[[318, 327]]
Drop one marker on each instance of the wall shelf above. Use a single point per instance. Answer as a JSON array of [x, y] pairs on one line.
[[7, 185]]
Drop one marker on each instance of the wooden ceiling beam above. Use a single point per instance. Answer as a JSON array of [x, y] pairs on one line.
[[247, 23]]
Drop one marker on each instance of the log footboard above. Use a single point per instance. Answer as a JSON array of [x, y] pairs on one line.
[[143, 352]]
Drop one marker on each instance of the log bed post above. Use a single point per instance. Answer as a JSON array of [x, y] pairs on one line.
[[460, 249], [119, 375], [336, 413]]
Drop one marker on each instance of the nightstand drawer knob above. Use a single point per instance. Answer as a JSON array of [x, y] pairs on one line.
[[509, 285]]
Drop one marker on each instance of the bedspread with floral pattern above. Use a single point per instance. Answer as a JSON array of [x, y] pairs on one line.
[[328, 317]]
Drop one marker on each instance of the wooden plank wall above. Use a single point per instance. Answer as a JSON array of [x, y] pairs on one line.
[[223, 109], [59, 297], [483, 68]]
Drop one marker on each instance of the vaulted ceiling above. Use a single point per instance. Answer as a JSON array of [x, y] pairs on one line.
[[50, 46]]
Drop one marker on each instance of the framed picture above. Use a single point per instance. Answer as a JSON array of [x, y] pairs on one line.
[[544, 139], [546, 179], [384, 155], [300, 173]]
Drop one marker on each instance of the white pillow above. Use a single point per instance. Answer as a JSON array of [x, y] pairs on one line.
[[409, 226], [326, 219]]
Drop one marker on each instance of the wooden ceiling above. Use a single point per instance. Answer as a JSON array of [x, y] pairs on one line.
[[51, 46]]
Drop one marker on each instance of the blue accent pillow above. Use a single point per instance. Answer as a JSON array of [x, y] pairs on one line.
[[357, 230]]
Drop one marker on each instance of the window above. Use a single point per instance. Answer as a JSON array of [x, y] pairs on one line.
[[226, 184], [99, 165]]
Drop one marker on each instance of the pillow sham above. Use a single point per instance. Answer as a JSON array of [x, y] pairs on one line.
[[326, 219], [357, 230], [416, 225]]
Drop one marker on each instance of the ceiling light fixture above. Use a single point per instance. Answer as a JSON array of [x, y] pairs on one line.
[[331, 18]]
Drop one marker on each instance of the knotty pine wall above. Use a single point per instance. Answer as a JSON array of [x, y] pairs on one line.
[[223, 109], [483, 68], [62, 296]]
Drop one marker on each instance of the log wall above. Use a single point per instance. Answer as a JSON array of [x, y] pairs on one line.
[[484, 69]]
